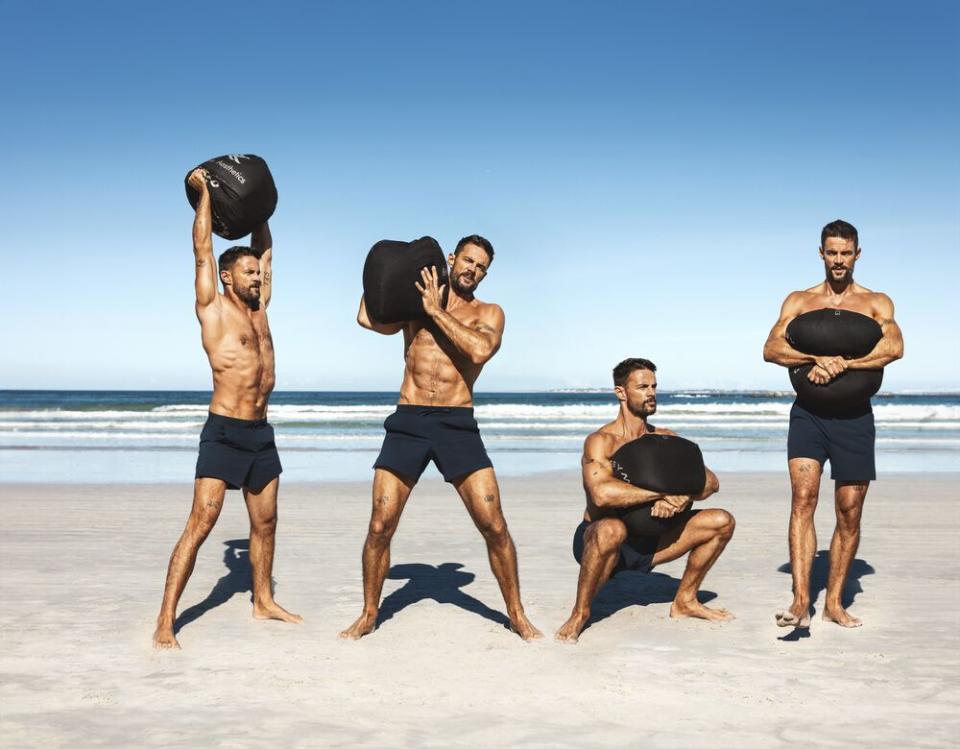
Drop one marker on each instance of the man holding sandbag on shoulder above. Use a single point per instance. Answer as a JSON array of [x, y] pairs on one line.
[[640, 483], [835, 338], [447, 340], [237, 447]]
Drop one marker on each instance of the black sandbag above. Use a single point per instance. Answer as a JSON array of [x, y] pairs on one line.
[[390, 273], [660, 463], [242, 193], [834, 332], [845, 396]]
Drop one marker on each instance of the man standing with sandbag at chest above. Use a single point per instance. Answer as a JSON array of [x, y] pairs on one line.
[[835, 338], [237, 447], [640, 482], [445, 351]]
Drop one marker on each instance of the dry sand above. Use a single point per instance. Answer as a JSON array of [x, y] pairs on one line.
[[82, 570]]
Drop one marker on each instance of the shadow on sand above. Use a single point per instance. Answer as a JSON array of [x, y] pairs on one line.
[[636, 589], [237, 580], [441, 584], [819, 573]]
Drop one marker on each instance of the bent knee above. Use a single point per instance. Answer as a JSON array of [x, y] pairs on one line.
[[494, 531], [609, 533], [725, 524], [804, 501]]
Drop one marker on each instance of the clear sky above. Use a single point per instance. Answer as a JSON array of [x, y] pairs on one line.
[[653, 176]]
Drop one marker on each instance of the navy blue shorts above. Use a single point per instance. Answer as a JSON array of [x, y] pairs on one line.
[[636, 554], [448, 436], [238, 451], [848, 443]]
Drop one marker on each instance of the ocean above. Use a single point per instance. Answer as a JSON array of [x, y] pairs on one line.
[[152, 436]]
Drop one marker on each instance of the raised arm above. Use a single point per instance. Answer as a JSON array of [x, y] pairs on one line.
[[603, 488], [778, 350], [890, 347], [479, 341], [364, 321], [262, 243], [205, 282]]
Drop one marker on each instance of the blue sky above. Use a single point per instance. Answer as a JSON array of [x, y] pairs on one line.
[[653, 175]]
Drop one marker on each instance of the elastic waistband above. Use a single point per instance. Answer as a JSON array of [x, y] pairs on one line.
[[425, 410], [211, 416]]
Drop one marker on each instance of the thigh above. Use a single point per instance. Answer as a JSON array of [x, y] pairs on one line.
[[262, 504], [208, 495], [805, 476], [849, 496], [700, 527], [481, 496], [390, 493]]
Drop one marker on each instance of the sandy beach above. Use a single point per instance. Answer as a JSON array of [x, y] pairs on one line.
[[82, 574]]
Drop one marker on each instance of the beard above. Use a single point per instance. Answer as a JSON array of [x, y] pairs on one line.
[[250, 297], [463, 288], [643, 409]]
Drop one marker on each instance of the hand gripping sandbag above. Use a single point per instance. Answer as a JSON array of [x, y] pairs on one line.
[[835, 332], [660, 463], [242, 193], [389, 276]]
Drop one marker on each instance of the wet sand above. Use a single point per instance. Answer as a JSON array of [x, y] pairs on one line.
[[82, 567]]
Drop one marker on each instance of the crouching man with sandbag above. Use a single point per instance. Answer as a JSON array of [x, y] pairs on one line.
[[237, 447], [447, 340], [640, 483], [835, 338]]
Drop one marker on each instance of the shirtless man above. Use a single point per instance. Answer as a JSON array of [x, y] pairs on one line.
[[434, 420], [600, 543], [847, 442], [236, 445]]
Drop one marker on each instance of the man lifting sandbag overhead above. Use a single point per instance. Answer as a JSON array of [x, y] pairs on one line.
[[835, 338], [237, 449], [448, 337], [640, 483]]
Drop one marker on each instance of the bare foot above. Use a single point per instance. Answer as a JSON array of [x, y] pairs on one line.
[[163, 638], [273, 611], [840, 616], [798, 616], [363, 626], [522, 626], [696, 610], [570, 631]]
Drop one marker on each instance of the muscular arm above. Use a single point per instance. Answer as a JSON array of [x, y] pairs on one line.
[[364, 321], [478, 341], [262, 243], [890, 347], [205, 282], [604, 489], [777, 349]]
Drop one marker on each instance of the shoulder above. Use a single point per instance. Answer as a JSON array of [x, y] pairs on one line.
[[881, 304], [668, 432], [600, 443], [489, 310], [795, 301]]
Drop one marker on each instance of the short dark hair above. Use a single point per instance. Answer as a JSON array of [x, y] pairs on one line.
[[622, 371], [841, 229], [230, 256], [479, 241]]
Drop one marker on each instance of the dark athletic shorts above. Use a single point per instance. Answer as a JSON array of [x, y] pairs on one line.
[[447, 436], [636, 554], [848, 443], [238, 451]]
